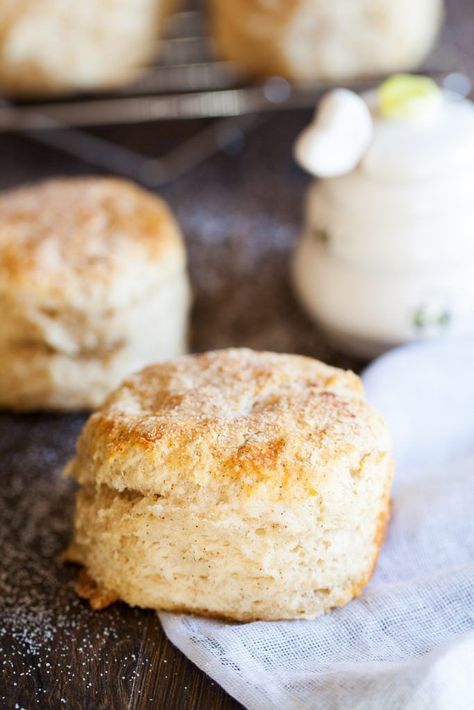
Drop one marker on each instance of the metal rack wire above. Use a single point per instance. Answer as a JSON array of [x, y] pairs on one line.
[[188, 82]]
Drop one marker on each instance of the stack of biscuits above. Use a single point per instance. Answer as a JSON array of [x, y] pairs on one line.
[[93, 286], [236, 484]]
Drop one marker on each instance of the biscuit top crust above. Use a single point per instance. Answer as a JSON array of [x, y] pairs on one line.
[[70, 237], [232, 421]]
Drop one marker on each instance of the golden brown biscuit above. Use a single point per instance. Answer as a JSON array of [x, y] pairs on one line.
[[235, 484], [93, 286], [308, 40]]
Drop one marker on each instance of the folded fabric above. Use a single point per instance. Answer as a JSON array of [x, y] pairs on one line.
[[408, 641]]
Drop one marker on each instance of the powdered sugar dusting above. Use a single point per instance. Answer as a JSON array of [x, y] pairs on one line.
[[48, 637]]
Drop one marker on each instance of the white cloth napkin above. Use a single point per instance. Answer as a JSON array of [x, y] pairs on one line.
[[408, 641]]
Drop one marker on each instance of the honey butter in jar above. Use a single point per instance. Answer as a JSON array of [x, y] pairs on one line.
[[387, 251]]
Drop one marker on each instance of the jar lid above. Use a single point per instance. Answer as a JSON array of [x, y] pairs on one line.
[[421, 146], [406, 130]]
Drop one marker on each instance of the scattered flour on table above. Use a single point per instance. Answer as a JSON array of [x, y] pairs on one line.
[[47, 635]]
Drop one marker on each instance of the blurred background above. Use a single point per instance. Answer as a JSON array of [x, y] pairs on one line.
[[217, 144]]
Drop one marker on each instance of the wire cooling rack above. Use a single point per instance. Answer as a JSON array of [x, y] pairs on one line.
[[188, 82]]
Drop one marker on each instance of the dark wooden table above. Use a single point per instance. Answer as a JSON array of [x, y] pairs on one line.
[[240, 214]]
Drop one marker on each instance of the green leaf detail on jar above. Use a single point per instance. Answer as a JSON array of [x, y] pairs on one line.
[[426, 317]]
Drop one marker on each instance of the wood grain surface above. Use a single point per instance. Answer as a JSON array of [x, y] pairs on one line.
[[240, 213]]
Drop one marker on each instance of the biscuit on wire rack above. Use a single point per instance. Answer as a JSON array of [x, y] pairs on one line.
[[52, 46]]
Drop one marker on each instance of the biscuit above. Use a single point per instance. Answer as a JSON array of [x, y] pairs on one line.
[[236, 484], [308, 40], [52, 46], [93, 286]]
